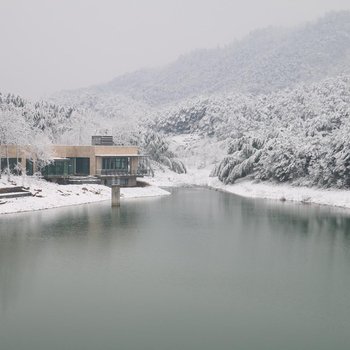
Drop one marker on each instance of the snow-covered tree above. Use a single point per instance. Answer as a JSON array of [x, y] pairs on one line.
[[157, 148]]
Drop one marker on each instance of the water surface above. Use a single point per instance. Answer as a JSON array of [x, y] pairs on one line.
[[196, 270]]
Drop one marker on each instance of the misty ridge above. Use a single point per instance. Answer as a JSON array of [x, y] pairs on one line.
[[273, 106], [267, 60]]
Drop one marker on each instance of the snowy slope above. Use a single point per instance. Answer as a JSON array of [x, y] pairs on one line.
[[50, 195], [295, 135], [266, 60], [107, 105]]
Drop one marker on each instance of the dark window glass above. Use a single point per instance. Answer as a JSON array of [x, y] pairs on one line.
[[115, 163], [15, 167], [82, 166], [57, 168]]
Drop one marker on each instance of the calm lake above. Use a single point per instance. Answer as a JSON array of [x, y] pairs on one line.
[[196, 270]]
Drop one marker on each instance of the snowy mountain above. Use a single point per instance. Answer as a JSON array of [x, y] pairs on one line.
[[273, 106], [265, 61]]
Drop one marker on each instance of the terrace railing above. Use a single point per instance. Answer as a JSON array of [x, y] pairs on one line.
[[118, 172]]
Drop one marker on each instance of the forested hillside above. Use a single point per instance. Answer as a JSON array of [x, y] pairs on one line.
[[265, 61], [54, 123], [110, 106], [35, 117], [298, 135]]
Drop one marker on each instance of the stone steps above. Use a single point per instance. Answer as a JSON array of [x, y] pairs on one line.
[[14, 192]]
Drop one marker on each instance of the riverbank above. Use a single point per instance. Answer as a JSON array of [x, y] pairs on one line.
[[48, 195], [282, 192], [252, 189]]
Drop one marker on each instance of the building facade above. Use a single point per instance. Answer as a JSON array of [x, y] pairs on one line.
[[107, 164]]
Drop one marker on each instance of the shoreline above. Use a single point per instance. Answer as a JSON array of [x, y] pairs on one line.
[[50, 196], [264, 190], [286, 193], [55, 196]]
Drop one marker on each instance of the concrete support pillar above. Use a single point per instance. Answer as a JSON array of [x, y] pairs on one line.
[[134, 163], [23, 162], [115, 196]]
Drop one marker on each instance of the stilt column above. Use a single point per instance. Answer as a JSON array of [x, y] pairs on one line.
[[115, 196]]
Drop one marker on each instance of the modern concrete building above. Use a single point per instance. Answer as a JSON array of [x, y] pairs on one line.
[[106, 164]]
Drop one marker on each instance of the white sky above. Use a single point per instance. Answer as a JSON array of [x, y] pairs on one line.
[[49, 45]]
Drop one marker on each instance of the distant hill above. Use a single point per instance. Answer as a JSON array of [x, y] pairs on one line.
[[107, 105], [308, 108], [265, 61]]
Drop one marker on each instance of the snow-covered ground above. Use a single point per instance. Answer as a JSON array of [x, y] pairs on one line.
[[283, 192], [50, 195], [247, 188], [166, 178]]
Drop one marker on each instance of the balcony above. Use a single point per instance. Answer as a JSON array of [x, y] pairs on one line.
[[121, 172]]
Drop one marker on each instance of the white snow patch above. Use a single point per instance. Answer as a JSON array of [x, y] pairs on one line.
[[283, 192], [50, 195], [249, 188], [166, 178], [53, 195]]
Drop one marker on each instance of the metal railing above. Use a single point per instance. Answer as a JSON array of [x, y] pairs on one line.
[[116, 172]]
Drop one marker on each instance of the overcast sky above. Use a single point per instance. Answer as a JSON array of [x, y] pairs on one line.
[[50, 45]]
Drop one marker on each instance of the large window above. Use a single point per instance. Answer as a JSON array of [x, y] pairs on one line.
[[81, 166], [59, 167], [115, 163], [13, 165]]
